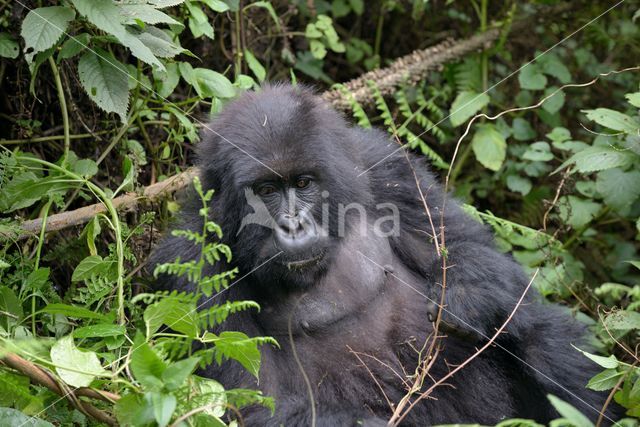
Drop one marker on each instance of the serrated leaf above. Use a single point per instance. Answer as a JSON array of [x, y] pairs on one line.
[[14, 417], [77, 368], [163, 406], [605, 380], [176, 373], [576, 211], [559, 134], [612, 119], [466, 105], [105, 15], [569, 413], [531, 78], [105, 80], [552, 66], [254, 65], [73, 46], [146, 365], [161, 4], [145, 13], [618, 188], [600, 158], [159, 43], [489, 146], [623, 320], [9, 48], [43, 27]]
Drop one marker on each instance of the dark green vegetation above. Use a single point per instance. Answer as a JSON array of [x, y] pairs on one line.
[[100, 98]]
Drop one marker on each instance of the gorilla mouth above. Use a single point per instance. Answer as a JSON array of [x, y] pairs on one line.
[[305, 263]]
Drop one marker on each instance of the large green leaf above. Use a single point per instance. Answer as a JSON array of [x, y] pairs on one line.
[[105, 15], [576, 211], [605, 380], [75, 367], [489, 146], [163, 406], [43, 27], [209, 83], [159, 42], [13, 417], [72, 311], [145, 13], [612, 119], [600, 158], [105, 80], [147, 367], [619, 188], [255, 65], [466, 104]]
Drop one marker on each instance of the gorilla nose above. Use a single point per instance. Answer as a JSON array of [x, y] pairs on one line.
[[295, 233]]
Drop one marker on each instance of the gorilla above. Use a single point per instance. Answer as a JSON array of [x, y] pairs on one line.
[[332, 237]]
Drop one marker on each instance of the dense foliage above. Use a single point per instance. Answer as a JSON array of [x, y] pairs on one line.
[[104, 97]]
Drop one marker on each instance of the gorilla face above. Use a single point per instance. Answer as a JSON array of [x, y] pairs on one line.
[[278, 164]]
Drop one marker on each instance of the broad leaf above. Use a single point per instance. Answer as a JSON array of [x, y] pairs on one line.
[[13, 417], [99, 331], [92, 266], [73, 46], [605, 380], [72, 311], [146, 365], [576, 211], [489, 146], [159, 42], [623, 320], [538, 152], [522, 130], [466, 105], [255, 65], [105, 80], [519, 184], [176, 373], [619, 189], [609, 362], [145, 13], [600, 158], [163, 407], [43, 27], [569, 413], [209, 83], [612, 119], [75, 367], [531, 78]]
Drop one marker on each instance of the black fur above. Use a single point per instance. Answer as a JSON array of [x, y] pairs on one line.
[[349, 302]]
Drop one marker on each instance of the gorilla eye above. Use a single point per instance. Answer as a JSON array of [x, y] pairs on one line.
[[265, 190], [302, 182]]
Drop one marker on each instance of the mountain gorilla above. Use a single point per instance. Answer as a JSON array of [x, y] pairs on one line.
[[347, 265]]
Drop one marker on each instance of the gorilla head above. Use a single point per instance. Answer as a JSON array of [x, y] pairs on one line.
[[279, 159], [304, 202]]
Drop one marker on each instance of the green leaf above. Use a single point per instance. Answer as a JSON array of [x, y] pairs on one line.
[[619, 189], [90, 267], [552, 65], [522, 130], [519, 184], [576, 211], [161, 4], [73, 46], [210, 84], [75, 367], [605, 380], [73, 311], [9, 48], [13, 417], [159, 42], [105, 80], [43, 27], [256, 67], [99, 331], [489, 146], [538, 152], [85, 168], [555, 103], [609, 362], [531, 78], [11, 308], [215, 394], [559, 134], [167, 81], [134, 410], [633, 98], [199, 22], [612, 119], [236, 346], [105, 15], [569, 413], [176, 374], [623, 320], [216, 5], [146, 365], [600, 158], [466, 105], [146, 14], [163, 407]]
